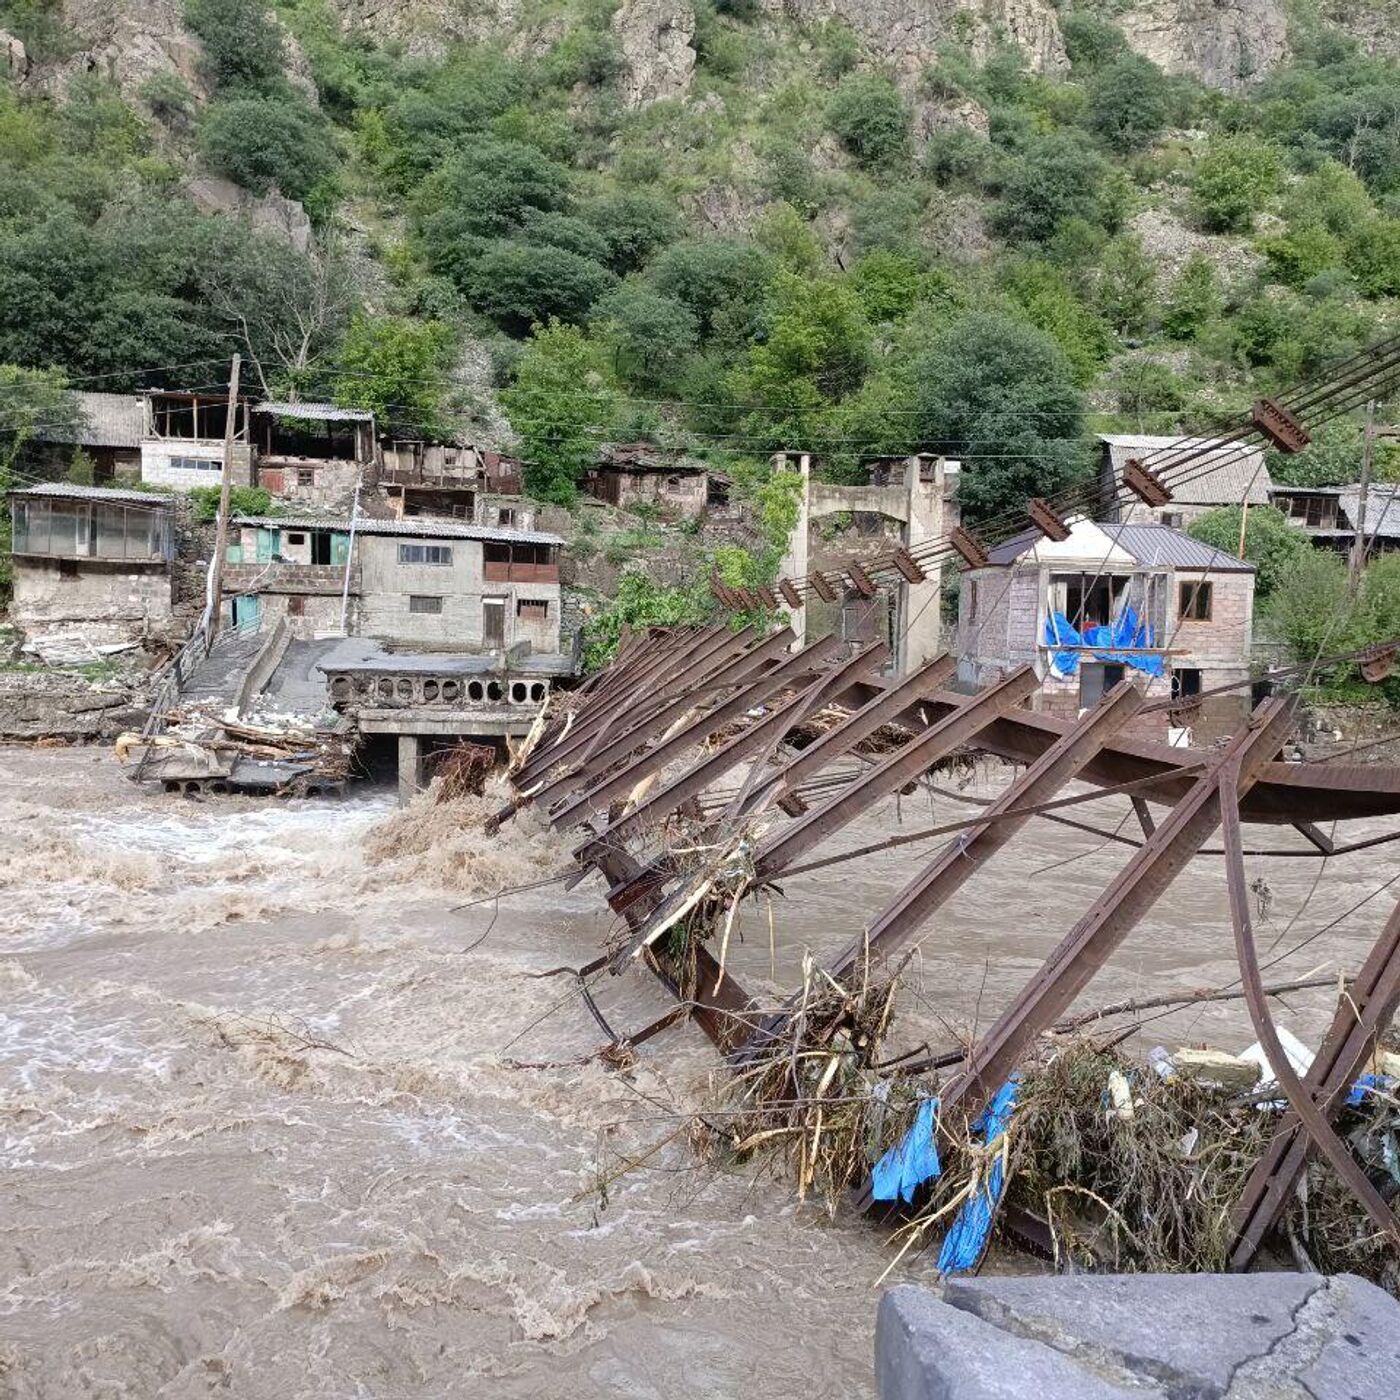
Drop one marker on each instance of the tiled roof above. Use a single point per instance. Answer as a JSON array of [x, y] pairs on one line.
[[66, 490], [105, 420], [420, 527], [1239, 473]]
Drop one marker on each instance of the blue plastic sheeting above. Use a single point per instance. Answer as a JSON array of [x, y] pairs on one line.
[[1368, 1083], [1124, 631], [966, 1241], [905, 1167]]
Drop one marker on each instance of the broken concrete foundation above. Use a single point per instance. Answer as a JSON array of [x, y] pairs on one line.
[[1111, 1337]]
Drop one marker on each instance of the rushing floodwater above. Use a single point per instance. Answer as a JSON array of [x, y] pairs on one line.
[[266, 1132]]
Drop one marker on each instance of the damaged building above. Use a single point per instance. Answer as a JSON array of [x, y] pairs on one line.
[[1112, 601], [1221, 474], [182, 442], [423, 582], [313, 454], [94, 561], [638, 474]]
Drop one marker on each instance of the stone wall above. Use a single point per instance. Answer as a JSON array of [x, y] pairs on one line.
[[53, 704], [127, 601], [159, 457]]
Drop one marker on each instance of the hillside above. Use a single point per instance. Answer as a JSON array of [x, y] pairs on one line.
[[734, 226]]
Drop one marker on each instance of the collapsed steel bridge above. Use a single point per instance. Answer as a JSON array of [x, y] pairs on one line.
[[681, 709]]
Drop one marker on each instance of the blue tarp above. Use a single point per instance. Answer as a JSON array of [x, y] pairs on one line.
[[1368, 1083], [1124, 631], [905, 1167], [965, 1242]]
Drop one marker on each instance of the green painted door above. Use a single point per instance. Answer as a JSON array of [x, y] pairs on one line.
[[246, 611], [267, 544], [340, 548]]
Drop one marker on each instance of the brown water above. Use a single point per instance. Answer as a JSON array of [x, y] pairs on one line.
[[261, 1136]]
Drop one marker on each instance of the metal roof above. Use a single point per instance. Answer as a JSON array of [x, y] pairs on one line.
[[1239, 472], [419, 527], [1109, 545], [1160, 544], [67, 490], [104, 420], [326, 412]]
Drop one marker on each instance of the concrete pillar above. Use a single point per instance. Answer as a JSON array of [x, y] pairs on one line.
[[921, 623], [794, 565], [410, 768]]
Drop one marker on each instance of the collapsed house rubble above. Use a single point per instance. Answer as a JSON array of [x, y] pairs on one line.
[[1187, 1161]]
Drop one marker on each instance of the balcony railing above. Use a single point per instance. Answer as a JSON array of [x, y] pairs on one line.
[[495, 571]]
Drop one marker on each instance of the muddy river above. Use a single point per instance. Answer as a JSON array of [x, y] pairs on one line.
[[274, 1120]]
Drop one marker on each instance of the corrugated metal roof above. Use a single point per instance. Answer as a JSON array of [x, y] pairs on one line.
[[419, 527], [326, 412], [1160, 544], [1228, 475], [66, 490], [1382, 509], [105, 420], [1104, 544]]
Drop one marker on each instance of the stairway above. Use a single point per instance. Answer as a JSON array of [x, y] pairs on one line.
[[219, 675]]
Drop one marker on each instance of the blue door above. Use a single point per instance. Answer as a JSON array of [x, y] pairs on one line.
[[246, 612]]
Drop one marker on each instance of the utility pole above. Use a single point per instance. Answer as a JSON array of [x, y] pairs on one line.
[[1358, 540], [221, 544], [349, 564]]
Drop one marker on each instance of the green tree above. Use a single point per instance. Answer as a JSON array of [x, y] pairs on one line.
[[31, 402], [1127, 287], [562, 403], [1234, 179], [888, 284], [1044, 294], [723, 281], [1309, 611], [1271, 544], [868, 114], [396, 368], [519, 284], [1091, 43], [816, 351], [1194, 301], [652, 336], [266, 143], [1058, 178], [242, 42], [485, 191], [634, 224], [1002, 396], [1129, 103], [639, 603]]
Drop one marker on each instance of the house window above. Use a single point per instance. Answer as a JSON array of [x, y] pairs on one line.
[[1172, 518], [295, 538], [68, 568], [1193, 601], [1096, 679], [296, 607], [532, 609], [1186, 682], [505, 516], [196, 464], [425, 554], [306, 476], [420, 603]]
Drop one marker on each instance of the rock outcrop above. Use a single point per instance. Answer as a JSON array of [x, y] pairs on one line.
[[130, 41], [907, 34], [270, 213], [1224, 43], [657, 41]]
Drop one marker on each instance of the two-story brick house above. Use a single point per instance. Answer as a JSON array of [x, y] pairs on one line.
[[1138, 600]]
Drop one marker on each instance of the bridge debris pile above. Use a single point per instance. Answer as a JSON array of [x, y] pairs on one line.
[[707, 767]]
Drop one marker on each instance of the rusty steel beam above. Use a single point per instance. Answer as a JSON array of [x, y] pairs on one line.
[[821, 586], [1279, 426], [648, 692], [1309, 1113], [1145, 485], [1285, 792], [1044, 518], [967, 544], [953, 866], [795, 669], [739, 670], [790, 595], [863, 583], [1364, 1009], [1137, 887], [749, 741], [905, 764], [908, 566], [858, 726]]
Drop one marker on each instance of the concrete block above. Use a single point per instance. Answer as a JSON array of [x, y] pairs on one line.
[[1169, 1336]]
